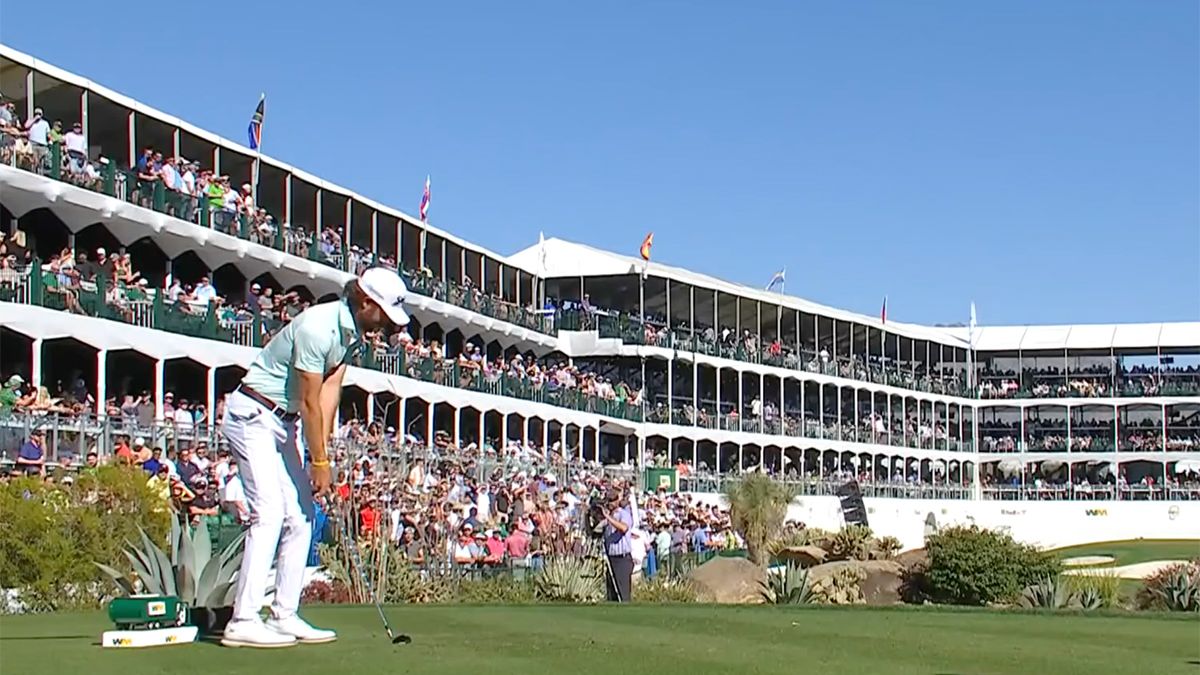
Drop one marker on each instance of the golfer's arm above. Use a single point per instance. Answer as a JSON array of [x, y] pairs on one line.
[[311, 417], [331, 397]]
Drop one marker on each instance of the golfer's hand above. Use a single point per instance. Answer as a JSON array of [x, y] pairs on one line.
[[321, 478]]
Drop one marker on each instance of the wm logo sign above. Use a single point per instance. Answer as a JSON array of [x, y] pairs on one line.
[[1097, 512], [121, 642]]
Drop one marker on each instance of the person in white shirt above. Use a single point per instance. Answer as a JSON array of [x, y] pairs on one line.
[[183, 419], [233, 496], [204, 292], [39, 137], [76, 146]]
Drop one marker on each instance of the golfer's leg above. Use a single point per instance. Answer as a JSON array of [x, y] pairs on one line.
[[298, 516], [253, 444]]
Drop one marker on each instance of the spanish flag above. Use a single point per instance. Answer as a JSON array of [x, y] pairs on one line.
[[646, 244]]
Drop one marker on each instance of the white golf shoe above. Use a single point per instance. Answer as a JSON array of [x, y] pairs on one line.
[[295, 627], [255, 634]]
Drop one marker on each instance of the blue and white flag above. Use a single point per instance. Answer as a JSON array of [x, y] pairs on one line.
[[777, 279]]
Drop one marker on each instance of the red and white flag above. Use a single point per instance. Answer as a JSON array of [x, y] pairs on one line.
[[425, 202]]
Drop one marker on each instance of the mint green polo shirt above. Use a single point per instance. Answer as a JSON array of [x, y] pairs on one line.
[[317, 341]]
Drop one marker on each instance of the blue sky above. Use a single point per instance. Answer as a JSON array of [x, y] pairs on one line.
[[1041, 159]]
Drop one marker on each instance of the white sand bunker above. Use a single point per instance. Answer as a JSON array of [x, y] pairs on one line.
[[1136, 571], [1087, 560]]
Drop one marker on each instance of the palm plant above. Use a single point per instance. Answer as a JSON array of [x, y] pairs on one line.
[[757, 507]]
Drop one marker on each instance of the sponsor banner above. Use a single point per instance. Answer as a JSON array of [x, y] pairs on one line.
[[117, 639]]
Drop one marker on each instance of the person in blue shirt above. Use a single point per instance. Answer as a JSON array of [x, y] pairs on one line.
[[32, 455], [618, 546]]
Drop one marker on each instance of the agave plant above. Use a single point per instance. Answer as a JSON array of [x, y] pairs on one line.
[[191, 572], [788, 586], [1049, 593], [1180, 591], [570, 580], [1090, 598]]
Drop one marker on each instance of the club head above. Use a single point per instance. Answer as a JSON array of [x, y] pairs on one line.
[[401, 640]]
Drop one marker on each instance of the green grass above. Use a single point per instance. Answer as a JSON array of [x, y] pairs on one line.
[[1133, 551], [691, 639]]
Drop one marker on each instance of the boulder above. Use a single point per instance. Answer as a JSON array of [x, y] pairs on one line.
[[728, 581], [917, 557], [805, 556], [882, 585]]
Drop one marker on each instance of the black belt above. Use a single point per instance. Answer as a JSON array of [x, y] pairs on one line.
[[274, 408]]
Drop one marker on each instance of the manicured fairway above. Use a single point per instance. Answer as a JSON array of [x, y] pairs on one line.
[[691, 639], [1136, 551]]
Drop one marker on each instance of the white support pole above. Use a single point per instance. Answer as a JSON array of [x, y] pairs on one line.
[[159, 366], [101, 382], [429, 424], [35, 375], [210, 395], [370, 407]]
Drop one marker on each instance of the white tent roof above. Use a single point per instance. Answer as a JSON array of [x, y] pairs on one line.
[[569, 259], [1168, 336], [562, 258]]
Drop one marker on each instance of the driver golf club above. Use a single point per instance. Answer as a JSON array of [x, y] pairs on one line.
[[397, 639]]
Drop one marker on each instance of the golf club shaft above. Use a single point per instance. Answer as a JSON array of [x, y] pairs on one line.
[[357, 561]]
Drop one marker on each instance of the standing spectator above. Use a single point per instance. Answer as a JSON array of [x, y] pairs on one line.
[[39, 137], [76, 145], [32, 455]]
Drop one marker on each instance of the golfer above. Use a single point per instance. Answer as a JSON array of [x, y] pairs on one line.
[[292, 390]]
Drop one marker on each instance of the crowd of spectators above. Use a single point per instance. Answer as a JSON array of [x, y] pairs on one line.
[[1090, 382]]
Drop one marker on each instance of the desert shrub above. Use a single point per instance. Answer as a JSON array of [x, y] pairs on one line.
[[393, 579], [843, 587], [852, 542], [885, 548], [497, 590], [1174, 588], [1096, 589], [663, 589], [320, 592], [975, 566], [570, 580], [807, 536], [50, 535]]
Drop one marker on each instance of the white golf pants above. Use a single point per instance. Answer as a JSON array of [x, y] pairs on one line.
[[279, 497]]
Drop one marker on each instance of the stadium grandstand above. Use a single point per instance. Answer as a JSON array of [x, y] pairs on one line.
[[143, 259]]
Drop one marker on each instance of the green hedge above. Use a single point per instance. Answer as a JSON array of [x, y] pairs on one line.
[[50, 534]]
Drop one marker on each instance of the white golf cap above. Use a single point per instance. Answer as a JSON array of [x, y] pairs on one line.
[[387, 289]]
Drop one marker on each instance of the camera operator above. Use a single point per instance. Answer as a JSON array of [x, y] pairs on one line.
[[618, 546]]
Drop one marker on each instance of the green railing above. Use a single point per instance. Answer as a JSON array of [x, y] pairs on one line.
[[480, 303], [207, 211], [133, 305], [448, 372]]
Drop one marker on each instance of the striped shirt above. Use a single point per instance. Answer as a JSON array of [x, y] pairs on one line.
[[616, 543]]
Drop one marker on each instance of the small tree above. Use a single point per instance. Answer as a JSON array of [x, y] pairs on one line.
[[757, 508]]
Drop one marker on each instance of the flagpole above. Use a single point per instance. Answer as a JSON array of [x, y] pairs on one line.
[[258, 153]]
